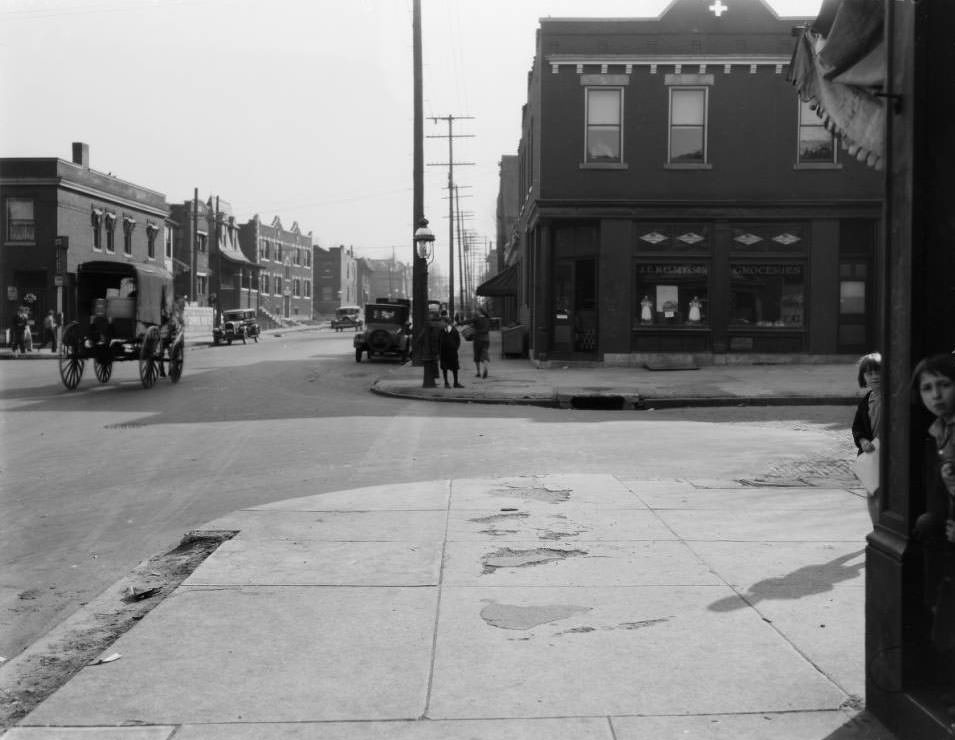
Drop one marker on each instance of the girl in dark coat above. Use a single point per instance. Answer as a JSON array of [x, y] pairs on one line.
[[448, 346], [868, 419]]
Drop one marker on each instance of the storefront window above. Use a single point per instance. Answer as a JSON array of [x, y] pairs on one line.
[[767, 295], [671, 294]]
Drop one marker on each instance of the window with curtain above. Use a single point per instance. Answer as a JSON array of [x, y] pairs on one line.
[[604, 124], [687, 125], [21, 226], [816, 144]]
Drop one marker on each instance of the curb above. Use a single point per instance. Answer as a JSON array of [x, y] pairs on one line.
[[622, 401], [95, 625]]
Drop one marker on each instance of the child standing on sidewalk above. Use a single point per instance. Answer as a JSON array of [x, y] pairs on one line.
[[867, 424], [934, 381]]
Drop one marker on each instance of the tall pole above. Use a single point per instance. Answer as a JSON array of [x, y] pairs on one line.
[[419, 273], [450, 217], [193, 290]]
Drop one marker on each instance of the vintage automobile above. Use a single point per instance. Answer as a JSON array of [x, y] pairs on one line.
[[347, 317], [236, 324], [387, 331]]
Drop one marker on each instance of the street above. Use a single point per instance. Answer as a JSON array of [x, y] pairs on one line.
[[98, 480]]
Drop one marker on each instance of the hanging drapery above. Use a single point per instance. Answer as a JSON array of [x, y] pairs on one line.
[[838, 66]]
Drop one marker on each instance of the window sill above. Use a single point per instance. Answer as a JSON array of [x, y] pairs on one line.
[[671, 327], [817, 166], [687, 166], [750, 328], [603, 166]]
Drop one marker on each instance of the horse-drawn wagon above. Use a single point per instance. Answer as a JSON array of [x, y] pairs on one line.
[[127, 313]]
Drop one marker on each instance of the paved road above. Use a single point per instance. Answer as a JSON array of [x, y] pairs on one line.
[[98, 480]]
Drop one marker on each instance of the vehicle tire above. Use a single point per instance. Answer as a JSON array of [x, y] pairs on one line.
[[358, 354], [71, 361], [216, 340], [404, 356], [103, 369], [150, 355], [177, 358], [229, 342]]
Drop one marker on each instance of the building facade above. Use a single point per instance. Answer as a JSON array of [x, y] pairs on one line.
[[192, 223], [284, 260], [676, 197], [57, 214]]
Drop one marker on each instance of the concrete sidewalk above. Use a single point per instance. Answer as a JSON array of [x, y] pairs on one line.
[[565, 607], [520, 381]]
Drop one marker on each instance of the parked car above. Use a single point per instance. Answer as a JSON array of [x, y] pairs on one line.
[[387, 331], [347, 317], [236, 324]]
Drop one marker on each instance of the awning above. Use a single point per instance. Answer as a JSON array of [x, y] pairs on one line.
[[234, 256], [838, 66], [502, 284]]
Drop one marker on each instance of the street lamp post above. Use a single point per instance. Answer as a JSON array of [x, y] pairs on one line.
[[424, 349]]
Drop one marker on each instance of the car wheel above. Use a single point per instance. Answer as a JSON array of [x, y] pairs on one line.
[[358, 354]]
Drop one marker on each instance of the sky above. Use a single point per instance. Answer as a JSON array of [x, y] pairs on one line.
[[301, 109]]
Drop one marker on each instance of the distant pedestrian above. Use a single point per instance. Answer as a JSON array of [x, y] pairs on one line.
[[867, 424], [934, 382], [49, 330], [448, 346], [482, 341], [21, 326]]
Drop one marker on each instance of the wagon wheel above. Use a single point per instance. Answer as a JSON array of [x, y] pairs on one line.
[[150, 355], [103, 369], [71, 362], [177, 357]]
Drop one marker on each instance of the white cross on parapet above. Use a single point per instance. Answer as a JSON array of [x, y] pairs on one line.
[[718, 8]]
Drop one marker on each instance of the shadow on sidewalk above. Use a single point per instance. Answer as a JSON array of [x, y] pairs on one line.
[[805, 581]]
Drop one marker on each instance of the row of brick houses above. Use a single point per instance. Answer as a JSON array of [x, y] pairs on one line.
[[673, 195], [57, 214]]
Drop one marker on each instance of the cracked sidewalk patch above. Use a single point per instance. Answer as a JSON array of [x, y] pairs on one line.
[[514, 617], [507, 557]]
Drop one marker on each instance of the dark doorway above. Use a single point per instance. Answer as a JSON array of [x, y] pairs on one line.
[[574, 311]]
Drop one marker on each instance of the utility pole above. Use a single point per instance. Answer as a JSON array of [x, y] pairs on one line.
[[419, 270], [195, 244], [450, 165]]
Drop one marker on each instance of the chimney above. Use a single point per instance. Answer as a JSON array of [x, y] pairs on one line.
[[81, 154]]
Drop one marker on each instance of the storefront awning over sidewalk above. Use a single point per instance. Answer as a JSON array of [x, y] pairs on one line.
[[502, 284], [838, 66]]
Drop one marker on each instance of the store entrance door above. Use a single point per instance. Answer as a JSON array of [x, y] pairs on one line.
[[854, 309], [574, 310]]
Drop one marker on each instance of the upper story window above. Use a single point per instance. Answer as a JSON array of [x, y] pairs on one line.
[[201, 239], [151, 231], [604, 124], [21, 226], [816, 144], [129, 224], [110, 221], [169, 242], [688, 125], [264, 282], [265, 250], [96, 222]]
